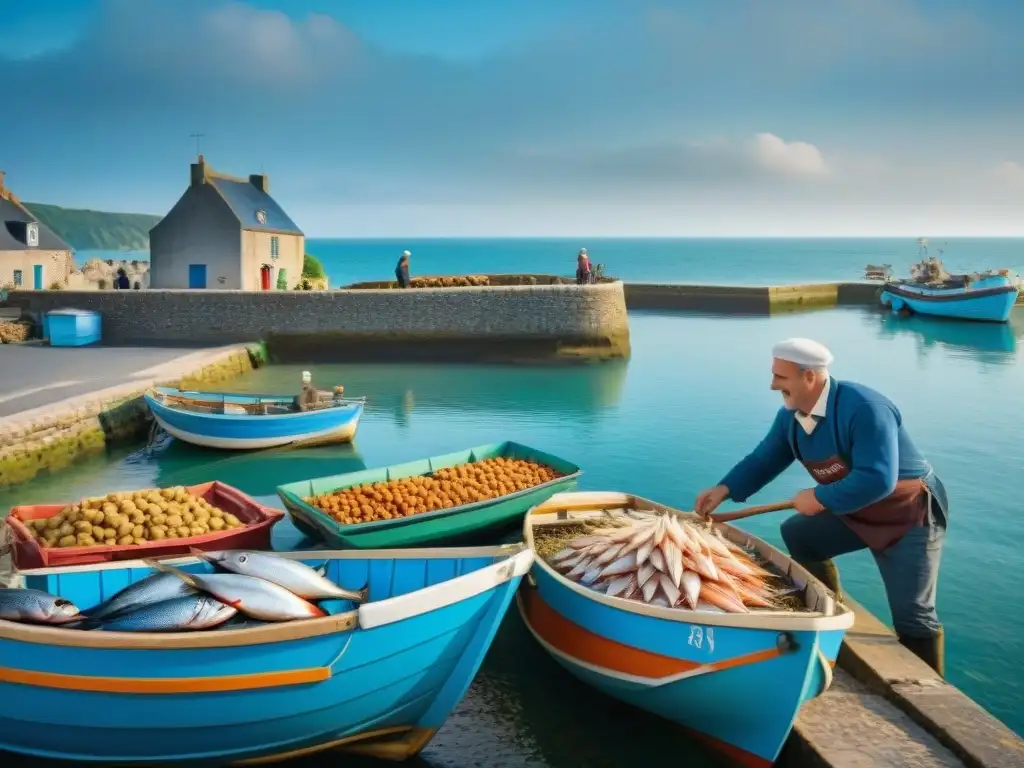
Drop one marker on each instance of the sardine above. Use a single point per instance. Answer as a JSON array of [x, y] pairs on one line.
[[564, 554], [252, 596], [625, 564], [571, 562], [661, 601], [621, 585], [584, 541], [646, 571], [37, 607], [298, 578], [691, 588], [194, 611], [578, 570], [673, 561], [592, 574], [608, 555], [671, 590], [713, 593], [650, 588], [152, 589], [658, 560]]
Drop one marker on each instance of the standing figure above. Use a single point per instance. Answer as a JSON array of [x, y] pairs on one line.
[[582, 267], [308, 396], [402, 270]]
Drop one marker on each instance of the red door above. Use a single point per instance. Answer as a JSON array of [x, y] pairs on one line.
[[265, 277]]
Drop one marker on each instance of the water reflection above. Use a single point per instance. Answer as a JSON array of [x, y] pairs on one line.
[[581, 392], [258, 473], [984, 342]]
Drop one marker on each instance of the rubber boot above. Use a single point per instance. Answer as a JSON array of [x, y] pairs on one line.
[[931, 650], [827, 573]]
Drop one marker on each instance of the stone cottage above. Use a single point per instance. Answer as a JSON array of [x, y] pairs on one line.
[[226, 232], [32, 257]]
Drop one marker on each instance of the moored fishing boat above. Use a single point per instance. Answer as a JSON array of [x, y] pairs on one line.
[[377, 678], [441, 499], [931, 290], [734, 678], [233, 421]]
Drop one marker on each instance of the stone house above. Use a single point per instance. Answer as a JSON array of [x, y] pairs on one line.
[[228, 233], [32, 257]]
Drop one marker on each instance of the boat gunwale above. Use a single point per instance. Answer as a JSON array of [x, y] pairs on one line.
[[841, 619], [949, 294], [386, 611], [345, 529], [340, 406]]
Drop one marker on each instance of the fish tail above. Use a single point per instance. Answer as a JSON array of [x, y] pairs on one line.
[[362, 595], [322, 568], [185, 577]]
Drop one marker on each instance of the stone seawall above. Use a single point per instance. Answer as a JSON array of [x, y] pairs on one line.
[[749, 299], [486, 322], [54, 436]]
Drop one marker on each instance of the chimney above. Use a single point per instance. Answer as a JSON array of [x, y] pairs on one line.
[[261, 181], [199, 172]]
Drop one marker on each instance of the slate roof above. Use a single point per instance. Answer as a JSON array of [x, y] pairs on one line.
[[13, 232], [245, 199]]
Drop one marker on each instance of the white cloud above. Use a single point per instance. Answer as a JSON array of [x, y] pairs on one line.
[[1010, 171], [791, 158]]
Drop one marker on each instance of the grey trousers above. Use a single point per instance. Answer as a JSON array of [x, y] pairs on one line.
[[909, 568]]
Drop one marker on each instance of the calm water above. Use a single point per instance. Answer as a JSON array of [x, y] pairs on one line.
[[691, 401], [725, 261]]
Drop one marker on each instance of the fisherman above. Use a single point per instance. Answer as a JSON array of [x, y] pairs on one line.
[[402, 270], [122, 282], [308, 396], [874, 489]]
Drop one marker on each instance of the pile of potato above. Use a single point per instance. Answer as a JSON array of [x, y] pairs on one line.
[[445, 488], [132, 518]]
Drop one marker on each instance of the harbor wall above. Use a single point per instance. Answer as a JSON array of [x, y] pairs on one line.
[[513, 322], [749, 299], [56, 435]]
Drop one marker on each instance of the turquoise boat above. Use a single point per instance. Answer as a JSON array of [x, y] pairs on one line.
[[244, 422], [441, 526], [377, 679], [987, 297], [736, 681]]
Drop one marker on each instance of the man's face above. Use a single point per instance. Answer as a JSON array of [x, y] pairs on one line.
[[796, 385]]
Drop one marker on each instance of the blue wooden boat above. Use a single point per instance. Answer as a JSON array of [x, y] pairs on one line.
[[246, 422], [988, 297], [736, 681], [378, 679]]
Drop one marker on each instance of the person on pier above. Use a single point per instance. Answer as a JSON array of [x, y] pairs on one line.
[[874, 489], [582, 267], [402, 270]]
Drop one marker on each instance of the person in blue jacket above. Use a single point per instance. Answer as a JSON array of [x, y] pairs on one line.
[[874, 489], [402, 270]]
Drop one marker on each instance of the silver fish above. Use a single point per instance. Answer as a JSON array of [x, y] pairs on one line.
[[563, 554], [662, 601], [691, 588], [592, 574], [673, 560], [252, 596], [650, 588], [152, 589], [609, 554], [584, 541], [579, 569], [620, 585], [194, 611], [646, 571], [625, 564], [658, 560], [671, 590], [571, 562], [298, 578], [37, 607]]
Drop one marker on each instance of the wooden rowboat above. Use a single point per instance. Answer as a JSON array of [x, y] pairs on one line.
[[734, 680], [247, 422], [378, 679], [441, 526]]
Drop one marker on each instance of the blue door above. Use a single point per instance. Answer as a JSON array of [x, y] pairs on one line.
[[196, 275], [37, 277]]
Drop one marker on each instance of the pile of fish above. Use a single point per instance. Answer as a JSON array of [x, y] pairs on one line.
[[254, 587], [669, 562]]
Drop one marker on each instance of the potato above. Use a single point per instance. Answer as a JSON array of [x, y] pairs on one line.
[[67, 541]]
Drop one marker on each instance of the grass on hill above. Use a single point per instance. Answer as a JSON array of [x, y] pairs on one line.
[[86, 230]]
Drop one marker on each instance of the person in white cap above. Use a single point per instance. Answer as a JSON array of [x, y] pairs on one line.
[[402, 270], [874, 489], [308, 396]]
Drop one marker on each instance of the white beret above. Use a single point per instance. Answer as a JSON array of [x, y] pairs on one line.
[[307, 376], [804, 352]]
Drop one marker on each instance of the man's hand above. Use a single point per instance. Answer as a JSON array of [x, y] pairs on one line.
[[708, 501], [806, 503]]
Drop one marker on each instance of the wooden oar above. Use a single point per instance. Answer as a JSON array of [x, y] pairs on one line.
[[728, 517]]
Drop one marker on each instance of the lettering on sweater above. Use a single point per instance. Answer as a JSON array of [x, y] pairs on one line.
[[830, 471]]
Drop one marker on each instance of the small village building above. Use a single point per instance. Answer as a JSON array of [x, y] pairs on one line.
[[32, 257], [226, 233]]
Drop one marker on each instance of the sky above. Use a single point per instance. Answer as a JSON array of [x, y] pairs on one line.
[[378, 118]]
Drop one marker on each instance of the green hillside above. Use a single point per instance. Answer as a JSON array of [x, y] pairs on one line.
[[97, 230]]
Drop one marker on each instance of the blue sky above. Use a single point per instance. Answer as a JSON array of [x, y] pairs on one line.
[[556, 117]]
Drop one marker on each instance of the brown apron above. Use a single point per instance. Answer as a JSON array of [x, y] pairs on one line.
[[878, 525]]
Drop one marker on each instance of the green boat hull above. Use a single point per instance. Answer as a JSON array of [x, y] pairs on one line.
[[446, 526]]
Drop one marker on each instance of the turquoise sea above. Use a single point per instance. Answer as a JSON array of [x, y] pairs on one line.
[[691, 401], [719, 260]]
